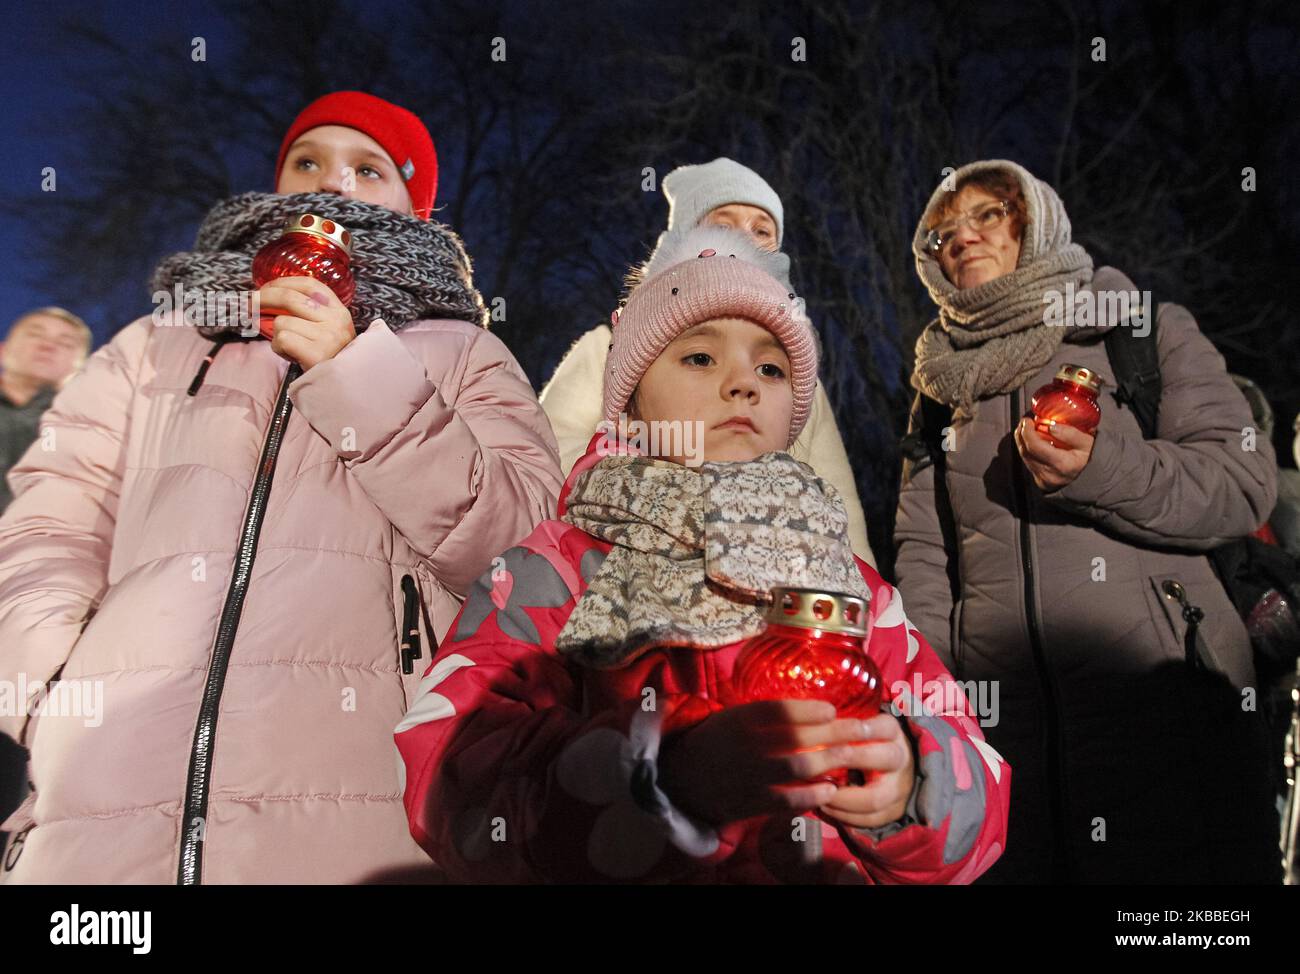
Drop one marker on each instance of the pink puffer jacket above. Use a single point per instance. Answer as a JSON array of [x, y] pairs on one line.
[[242, 740]]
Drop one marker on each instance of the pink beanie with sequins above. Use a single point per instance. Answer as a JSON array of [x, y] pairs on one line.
[[699, 275]]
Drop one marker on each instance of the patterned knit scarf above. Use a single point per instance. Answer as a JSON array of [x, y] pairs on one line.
[[993, 338], [697, 551], [405, 269]]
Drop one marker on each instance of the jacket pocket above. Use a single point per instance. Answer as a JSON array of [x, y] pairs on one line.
[[409, 647], [33, 732], [22, 821], [1178, 615], [415, 636]]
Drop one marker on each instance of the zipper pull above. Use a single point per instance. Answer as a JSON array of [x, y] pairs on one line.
[[1192, 615], [197, 381], [411, 643]]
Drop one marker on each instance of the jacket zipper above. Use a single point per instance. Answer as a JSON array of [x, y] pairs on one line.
[[199, 778], [1051, 724], [1192, 615]]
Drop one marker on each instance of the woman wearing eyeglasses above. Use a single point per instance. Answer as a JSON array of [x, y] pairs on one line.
[[1069, 583]]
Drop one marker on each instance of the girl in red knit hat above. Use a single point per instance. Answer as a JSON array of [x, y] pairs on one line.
[[578, 724], [250, 546], [357, 145]]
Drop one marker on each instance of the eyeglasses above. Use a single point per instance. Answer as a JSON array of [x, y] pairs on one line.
[[981, 219]]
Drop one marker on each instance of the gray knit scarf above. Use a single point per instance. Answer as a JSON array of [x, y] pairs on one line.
[[405, 268], [697, 551], [994, 337]]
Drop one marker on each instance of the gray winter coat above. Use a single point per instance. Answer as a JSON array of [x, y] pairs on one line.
[[1132, 766]]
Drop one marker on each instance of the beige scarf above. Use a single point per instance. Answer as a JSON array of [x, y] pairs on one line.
[[697, 551]]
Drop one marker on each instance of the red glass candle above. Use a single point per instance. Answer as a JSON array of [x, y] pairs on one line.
[[311, 246], [814, 648], [1070, 398]]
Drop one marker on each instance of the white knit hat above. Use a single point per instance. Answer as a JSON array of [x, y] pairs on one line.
[[692, 191]]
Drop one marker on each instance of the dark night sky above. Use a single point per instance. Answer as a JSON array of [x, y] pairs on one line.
[[44, 79], [35, 76]]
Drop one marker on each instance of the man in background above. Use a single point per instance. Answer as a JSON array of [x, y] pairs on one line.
[[43, 349], [41, 352]]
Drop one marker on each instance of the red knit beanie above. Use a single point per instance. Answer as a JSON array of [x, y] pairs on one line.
[[399, 131]]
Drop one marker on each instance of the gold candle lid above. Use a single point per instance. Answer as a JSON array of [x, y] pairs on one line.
[[1078, 374], [331, 230], [813, 609]]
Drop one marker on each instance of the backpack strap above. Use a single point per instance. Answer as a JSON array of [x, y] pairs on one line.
[[1135, 361], [922, 447]]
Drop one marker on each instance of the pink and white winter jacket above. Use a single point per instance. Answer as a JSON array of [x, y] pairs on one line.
[[524, 767], [406, 461]]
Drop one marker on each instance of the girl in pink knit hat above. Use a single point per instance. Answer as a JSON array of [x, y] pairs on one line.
[[577, 724], [727, 194]]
